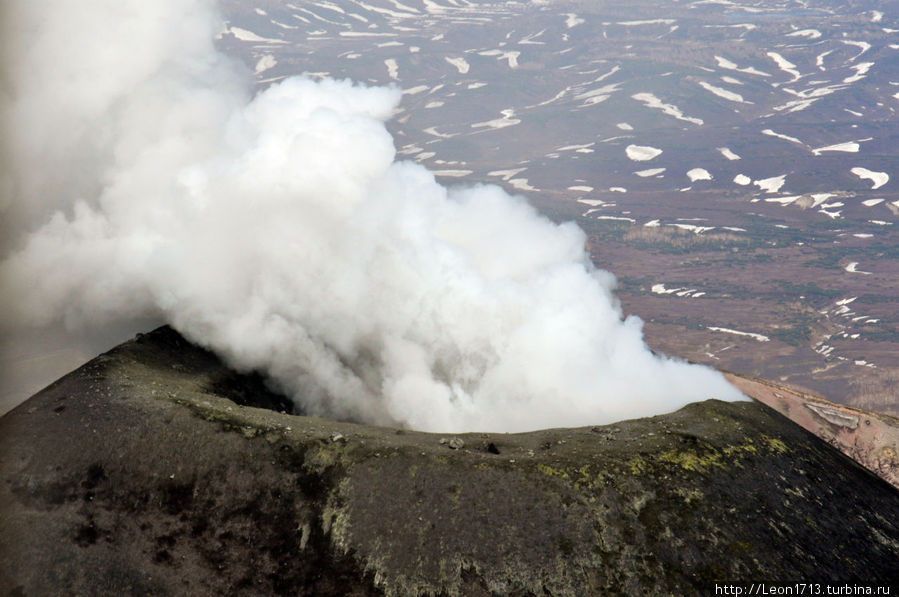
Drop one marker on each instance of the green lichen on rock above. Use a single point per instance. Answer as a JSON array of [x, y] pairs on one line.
[[152, 480]]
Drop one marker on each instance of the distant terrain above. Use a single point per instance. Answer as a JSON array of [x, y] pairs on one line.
[[732, 162]]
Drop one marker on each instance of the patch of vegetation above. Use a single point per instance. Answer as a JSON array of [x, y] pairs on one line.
[[794, 335], [882, 334], [671, 240], [871, 298], [807, 289], [682, 321], [887, 251], [633, 283], [800, 323], [830, 256], [602, 230], [828, 259], [724, 289]]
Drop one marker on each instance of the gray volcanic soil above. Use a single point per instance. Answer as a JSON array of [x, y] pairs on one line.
[[140, 474]]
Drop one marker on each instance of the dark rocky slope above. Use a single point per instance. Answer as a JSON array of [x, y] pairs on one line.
[[138, 474]]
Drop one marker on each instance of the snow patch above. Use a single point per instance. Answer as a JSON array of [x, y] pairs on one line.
[[698, 174], [522, 184], [771, 185], [617, 219], [852, 268], [758, 337], [572, 20], [723, 93], [849, 147], [498, 123], [651, 101], [729, 65], [593, 202], [693, 228], [819, 198], [582, 148], [642, 153], [265, 63], [507, 174], [877, 178], [460, 63], [808, 33], [771, 133], [861, 71], [432, 130], [595, 96], [862, 45], [784, 64], [511, 57], [246, 35], [392, 68], [783, 200], [451, 173], [728, 153], [647, 22]]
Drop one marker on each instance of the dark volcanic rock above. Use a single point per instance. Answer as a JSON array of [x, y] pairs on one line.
[[138, 475]]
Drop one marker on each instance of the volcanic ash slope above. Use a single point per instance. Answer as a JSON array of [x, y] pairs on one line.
[[139, 473]]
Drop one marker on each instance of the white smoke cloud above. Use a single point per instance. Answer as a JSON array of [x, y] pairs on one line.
[[277, 229]]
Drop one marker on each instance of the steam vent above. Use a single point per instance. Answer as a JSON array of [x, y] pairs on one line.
[[155, 470]]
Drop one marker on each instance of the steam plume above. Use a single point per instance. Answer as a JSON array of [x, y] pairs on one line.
[[148, 181]]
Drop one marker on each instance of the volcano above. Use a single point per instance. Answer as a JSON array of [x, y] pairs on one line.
[[156, 470]]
